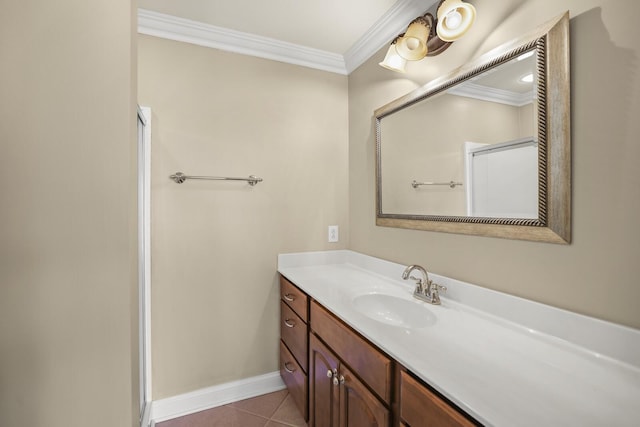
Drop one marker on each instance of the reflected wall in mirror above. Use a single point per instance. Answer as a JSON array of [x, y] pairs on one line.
[[466, 167], [486, 149]]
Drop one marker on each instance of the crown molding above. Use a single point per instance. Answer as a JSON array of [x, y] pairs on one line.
[[380, 34], [486, 93], [188, 31], [385, 29]]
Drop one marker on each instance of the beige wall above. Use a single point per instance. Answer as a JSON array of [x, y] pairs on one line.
[[215, 244], [67, 214], [598, 273]]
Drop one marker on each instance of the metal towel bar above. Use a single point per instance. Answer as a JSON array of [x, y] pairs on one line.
[[451, 184], [179, 178]]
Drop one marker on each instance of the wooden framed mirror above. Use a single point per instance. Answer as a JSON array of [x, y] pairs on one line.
[[484, 150]]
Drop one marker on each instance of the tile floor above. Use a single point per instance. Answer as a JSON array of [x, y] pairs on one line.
[[269, 410]]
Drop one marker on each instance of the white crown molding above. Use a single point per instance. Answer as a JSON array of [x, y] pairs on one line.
[[485, 93], [381, 33], [385, 29], [211, 397], [188, 31]]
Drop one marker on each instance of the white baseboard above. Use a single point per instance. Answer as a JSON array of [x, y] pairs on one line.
[[210, 397]]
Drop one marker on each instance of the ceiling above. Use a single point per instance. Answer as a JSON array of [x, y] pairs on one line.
[[329, 25], [333, 35], [508, 76], [502, 84]]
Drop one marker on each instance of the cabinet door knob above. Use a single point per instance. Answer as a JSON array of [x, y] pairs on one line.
[[286, 368], [289, 297], [329, 373], [289, 323], [335, 381]]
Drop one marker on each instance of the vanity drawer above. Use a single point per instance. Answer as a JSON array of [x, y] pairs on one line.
[[294, 297], [373, 367], [420, 407], [295, 379], [293, 332]]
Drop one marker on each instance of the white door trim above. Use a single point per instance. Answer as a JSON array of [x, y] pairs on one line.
[[144, 233]]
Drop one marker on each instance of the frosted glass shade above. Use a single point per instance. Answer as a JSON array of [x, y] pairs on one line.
[[393, 61], [454, 19], [413, 46]]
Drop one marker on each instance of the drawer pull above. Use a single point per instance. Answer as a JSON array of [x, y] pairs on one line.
[[286, 368], [289, 323], [289, 297]]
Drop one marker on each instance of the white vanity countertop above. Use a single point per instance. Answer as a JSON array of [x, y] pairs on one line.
[[504, 360]]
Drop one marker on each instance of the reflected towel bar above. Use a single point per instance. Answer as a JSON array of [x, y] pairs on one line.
[[451, 184], [179, 178]]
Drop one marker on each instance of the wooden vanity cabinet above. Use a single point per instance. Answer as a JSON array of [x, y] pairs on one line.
[[337, 395], [294, 336]]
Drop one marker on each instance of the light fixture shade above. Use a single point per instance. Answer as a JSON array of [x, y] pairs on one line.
[[413, 46], [454, 19], [392, 61]]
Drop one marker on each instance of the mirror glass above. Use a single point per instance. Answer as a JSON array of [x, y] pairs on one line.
[[486, 149], [483, 163]]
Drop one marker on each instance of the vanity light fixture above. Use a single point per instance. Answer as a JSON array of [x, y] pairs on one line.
[[413, 46], [429, 36], [393, 61], [454, 19]]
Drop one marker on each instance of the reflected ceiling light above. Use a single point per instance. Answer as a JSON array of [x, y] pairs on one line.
[[428, 36], [527, 78], [393, 61], [454, 19], [526, 55]]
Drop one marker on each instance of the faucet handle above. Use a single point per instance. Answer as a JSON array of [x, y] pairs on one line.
[[433, 295], [435, 287]]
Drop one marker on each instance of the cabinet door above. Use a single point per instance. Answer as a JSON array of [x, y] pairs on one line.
[[323, 393], [420, 407], [358, 406]]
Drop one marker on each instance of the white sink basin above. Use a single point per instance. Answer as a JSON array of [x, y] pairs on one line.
[[394, 311]]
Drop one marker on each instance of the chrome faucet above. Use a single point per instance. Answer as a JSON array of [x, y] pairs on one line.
[[426, 289]]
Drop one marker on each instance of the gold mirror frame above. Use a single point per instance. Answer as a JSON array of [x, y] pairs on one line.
[[551, 43]]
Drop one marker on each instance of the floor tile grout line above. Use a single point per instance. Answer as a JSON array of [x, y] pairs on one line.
[[250, 413], [266, 419], [278, 408], [246, 411], [283, 423], [276, 411]]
